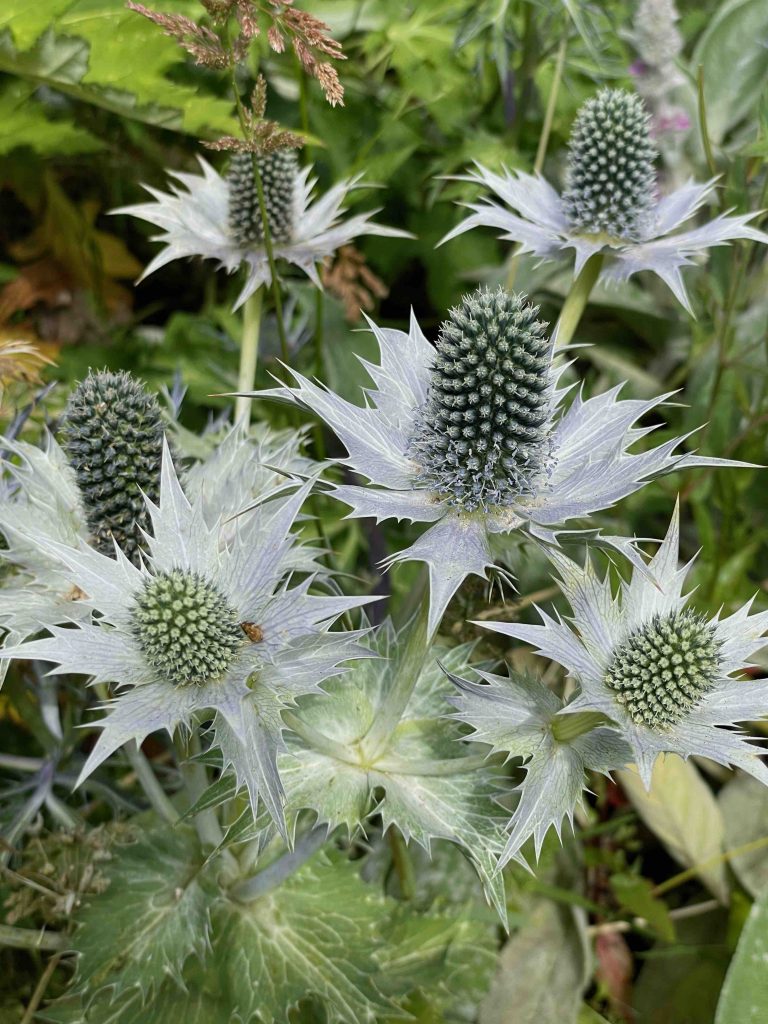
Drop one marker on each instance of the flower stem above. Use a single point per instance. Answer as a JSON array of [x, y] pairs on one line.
[[31, 938], [576, 300], [401, 861], [567, 728], [546, 131], [404, 671], [249, 356], [152, 788], [277, 872]]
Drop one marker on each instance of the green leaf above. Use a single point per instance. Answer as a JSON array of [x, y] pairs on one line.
[[635, 893], [314, 935], [449, 959], [24, 122], [543, 971], [744, 998], [87, 49], [744, 806], [681, 810], [154, 915], [733, 53]]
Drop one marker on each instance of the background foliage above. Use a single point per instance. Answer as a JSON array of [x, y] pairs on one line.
[[644, 915]]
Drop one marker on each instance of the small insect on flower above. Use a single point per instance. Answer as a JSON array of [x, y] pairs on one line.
[[473, 437], [610, 205], [219, 217], [203, 627], [662, 673]]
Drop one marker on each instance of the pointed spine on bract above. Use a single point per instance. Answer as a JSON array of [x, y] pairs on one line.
[[112, 434], [278, 173], [611, 181], [482, 437]]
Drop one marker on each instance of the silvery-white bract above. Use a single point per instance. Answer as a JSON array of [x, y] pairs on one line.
[[521, 717], [663, 674], [609, 170], [194, 218], [207, 629], [40, 499], [587, 466]]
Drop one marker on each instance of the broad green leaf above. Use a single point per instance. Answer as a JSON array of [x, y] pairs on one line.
[[449, 959], [87, 49], [744, 999], [314, 935], [24, 122], [543, 971], [681, 810], [734, 56], [154, 914], [744, 806], [636, 894]]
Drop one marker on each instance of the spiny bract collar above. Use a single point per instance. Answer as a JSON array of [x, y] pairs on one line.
[[664, 668], [611, 178], [482, 435], [278, 181], [113, 437], [186, 627]]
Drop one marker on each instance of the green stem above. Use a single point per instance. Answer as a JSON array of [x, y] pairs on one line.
[[277, 872], [152, 788], [403, 674], [401, 861], [249, 356], [576, 300], [567, 728], [546, 131], [207, 825], [710, 862], [31, 938]]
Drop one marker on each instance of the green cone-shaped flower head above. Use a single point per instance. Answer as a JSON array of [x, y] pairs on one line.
[[113, 437], [278, 180], [611, 178], [187, 628], [482, 436], [663, 669]]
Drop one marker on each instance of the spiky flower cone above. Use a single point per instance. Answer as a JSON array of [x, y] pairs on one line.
[[113, 436], [186, 627], [663, 670], [611, 179], [483, 434], [278, 180]]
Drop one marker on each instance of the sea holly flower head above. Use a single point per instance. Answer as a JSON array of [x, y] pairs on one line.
[[611, 204], [666, 676], [474, 438], [219, 217], [113, 436], [204, 627]]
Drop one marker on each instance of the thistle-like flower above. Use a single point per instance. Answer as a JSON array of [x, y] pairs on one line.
[[474, 439], [219, 218], [610, 205], [206, 628], [113, 437], [658, 670]]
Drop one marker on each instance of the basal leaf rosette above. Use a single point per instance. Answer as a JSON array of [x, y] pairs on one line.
[[670, 679], [218, 217], [204, 627], [475, 438], [611, 204]]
